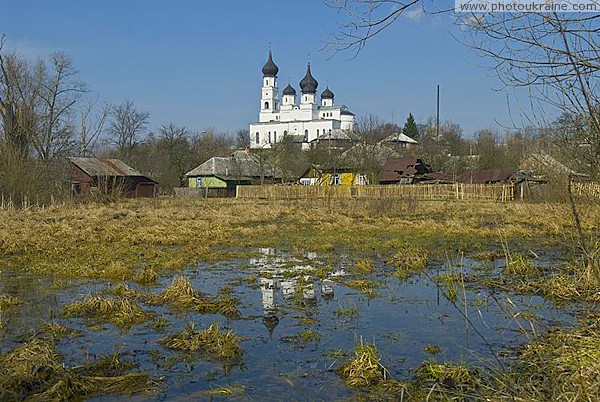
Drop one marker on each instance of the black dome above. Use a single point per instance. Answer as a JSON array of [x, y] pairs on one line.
[[308, 84], [270, 69], [327, 94], [289, 90]]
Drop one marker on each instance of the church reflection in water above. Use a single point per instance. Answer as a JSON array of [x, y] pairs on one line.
[[285, 280]]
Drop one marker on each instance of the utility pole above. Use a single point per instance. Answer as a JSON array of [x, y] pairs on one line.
[[437, 118]]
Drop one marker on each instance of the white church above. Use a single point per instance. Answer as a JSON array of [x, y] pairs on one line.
[[306, 122]]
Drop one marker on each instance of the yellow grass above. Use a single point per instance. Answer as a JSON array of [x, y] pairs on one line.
[[130, 239]]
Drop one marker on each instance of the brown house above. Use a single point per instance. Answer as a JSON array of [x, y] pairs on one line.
[[403, 171], [109, 176]]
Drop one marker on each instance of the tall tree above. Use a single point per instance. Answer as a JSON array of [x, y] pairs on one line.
[[173, 141], [59, 92], [127, 128], [410, 128]]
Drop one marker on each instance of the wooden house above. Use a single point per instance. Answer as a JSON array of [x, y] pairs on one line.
[[221, 175], [109, 176]]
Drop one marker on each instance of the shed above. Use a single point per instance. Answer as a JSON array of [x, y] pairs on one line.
[[403, 171], [109, 176]]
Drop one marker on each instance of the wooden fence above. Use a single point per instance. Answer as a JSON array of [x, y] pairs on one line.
[[456, 191], [589, 189]]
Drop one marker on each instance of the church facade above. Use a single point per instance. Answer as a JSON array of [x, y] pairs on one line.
[[303, 122]]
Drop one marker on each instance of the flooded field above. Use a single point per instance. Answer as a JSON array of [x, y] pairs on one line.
[[299, 316], [303, 300]]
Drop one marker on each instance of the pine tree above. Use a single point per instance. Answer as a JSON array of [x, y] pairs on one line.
[[410, 128]]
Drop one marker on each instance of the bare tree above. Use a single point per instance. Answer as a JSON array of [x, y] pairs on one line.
[[174, 142], [242, 138], [556, 56], [59, 92], [18, 99], [91, 125], [127, 127]]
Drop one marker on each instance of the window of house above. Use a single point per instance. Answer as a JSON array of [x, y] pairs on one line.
[[257, 138]]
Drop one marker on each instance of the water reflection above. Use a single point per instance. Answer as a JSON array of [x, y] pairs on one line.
[[286, 279]]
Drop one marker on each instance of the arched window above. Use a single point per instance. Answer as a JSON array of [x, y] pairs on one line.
[[274, 136], [284, 133], [257, 137], [305, 135], [266, 105], [317, 132], [269, 137], [266, 82]]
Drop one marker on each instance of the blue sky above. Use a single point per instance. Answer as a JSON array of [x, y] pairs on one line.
[[198, 63]]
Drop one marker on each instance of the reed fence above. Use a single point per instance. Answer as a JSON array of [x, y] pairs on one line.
[[456, 191], [26, 202], [589, 189]]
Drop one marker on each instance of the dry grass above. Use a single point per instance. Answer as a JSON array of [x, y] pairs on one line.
[[121, 312], [181, 295], [87, 240], [409, 260], [34, 371], [7, 301], [211, 341], [364, 369], [366, 286]]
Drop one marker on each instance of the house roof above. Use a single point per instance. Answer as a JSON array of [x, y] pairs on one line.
[[399, 137], [485, 176], [543, 163], [396, 168], [240, 166], [336, 134], [105, 167]]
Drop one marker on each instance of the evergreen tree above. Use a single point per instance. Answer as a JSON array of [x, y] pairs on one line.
[[410, 128]]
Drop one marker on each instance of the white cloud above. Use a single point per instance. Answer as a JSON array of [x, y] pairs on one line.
[[414, 14]]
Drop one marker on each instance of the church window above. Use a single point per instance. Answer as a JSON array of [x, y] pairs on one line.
[[274, 136], [266, 82], [317, 132], [269, 137], [305, 135], [284, 132], [266, 105], [257, 138]]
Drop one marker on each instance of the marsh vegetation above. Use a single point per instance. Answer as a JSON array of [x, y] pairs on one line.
[[249, 299]]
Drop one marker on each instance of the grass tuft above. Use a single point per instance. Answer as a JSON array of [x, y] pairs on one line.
[[122, 312], [212, 342], [364, 369], [34, 371]]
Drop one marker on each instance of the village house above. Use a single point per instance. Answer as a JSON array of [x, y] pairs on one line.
[[221, 175], [109, 176]]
